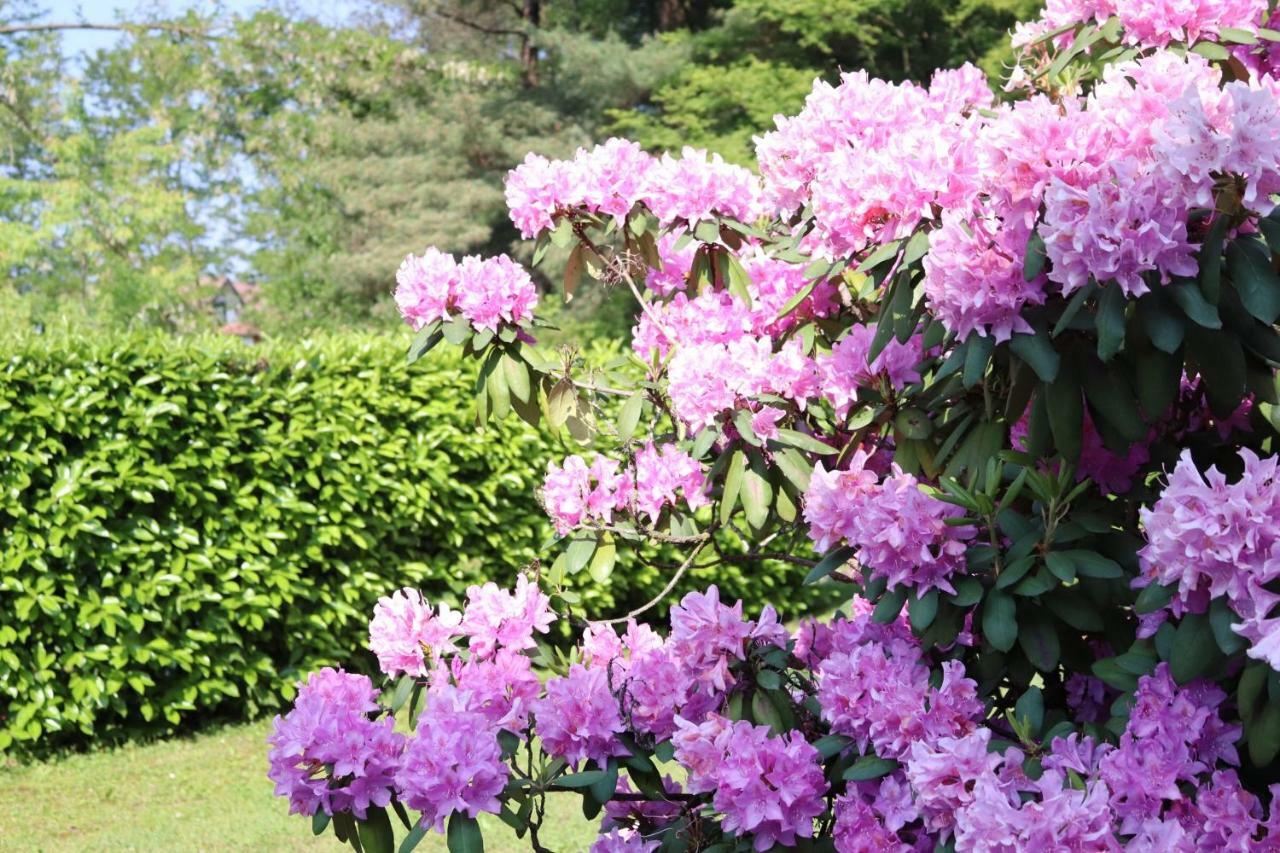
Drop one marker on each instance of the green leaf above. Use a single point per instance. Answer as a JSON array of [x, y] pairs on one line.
[[1091, 564], [516, 374], [1039, 640], [922, 611], [1195, 651], [403, 688], [889, 605], [756, 493], [1159, 377], [319, 822], [1033, 260], [585, 779], [1076, 610], [579, 552], [999, 620], [916, 247], [1263, 734], [1165, 325], [1110, 321], [1038, 352], [629, 416], [886, 252], [602, 561], [463, 834], [1220, 360], [1115, 402], [1061, 565], [1066, 414], [968, 593], [1249, 264], [977, 355], [1249, 690], [765, 713], [376, 835], [1235, 35], [424, 341], [732, 485], [738, 280], [1113, 676], [562, 400], [1192, 302], [1030, 707], [1073, 307], [833, 560], [794, 302], [1220, 618], [830, 745], [870, 767], [573, 271], [457, 331], [800, 440], [794, 467], [1153, 597], [1211, 50], [1210, 259]]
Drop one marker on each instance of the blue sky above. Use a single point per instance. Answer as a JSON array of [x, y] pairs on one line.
[[108, 11]]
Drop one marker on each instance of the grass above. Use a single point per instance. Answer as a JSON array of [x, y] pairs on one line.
[[207, 792]]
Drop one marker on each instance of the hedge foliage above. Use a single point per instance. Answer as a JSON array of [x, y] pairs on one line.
[[188, 526]]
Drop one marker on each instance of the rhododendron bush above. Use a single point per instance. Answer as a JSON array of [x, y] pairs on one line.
[[1002, 368]]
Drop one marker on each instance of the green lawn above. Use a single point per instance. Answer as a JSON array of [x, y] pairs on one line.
[[208, 792]]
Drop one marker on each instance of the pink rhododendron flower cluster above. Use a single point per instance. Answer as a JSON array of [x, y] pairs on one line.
[[575, 494], [899, 531], [405, 629], [1155, 23], [708, 380], [847, 369], [1213, 539], [767, 785], [488, 292], [717, 316], [611, 178], [497, 618], [857, 124], [579, 719], [327, 754]]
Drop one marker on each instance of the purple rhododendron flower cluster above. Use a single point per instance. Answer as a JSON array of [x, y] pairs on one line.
[[767, 785], [1209, 538], [326, 753], [900, 532]]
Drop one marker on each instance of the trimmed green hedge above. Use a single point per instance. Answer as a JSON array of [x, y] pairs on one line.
[[188, 526]]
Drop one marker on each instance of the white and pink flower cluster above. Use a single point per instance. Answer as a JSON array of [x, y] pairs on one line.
[[1210, 538], [575, 494], [488, 292], [900, 532]]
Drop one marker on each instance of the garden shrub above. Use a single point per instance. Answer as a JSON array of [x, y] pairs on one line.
[[1006, 373], [189, 525]]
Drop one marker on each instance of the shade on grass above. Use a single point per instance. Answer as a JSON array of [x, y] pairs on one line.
[[208, 792]]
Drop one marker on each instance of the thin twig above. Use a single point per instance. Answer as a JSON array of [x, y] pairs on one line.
[[671, 584], [480, 28], [12, 29]]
